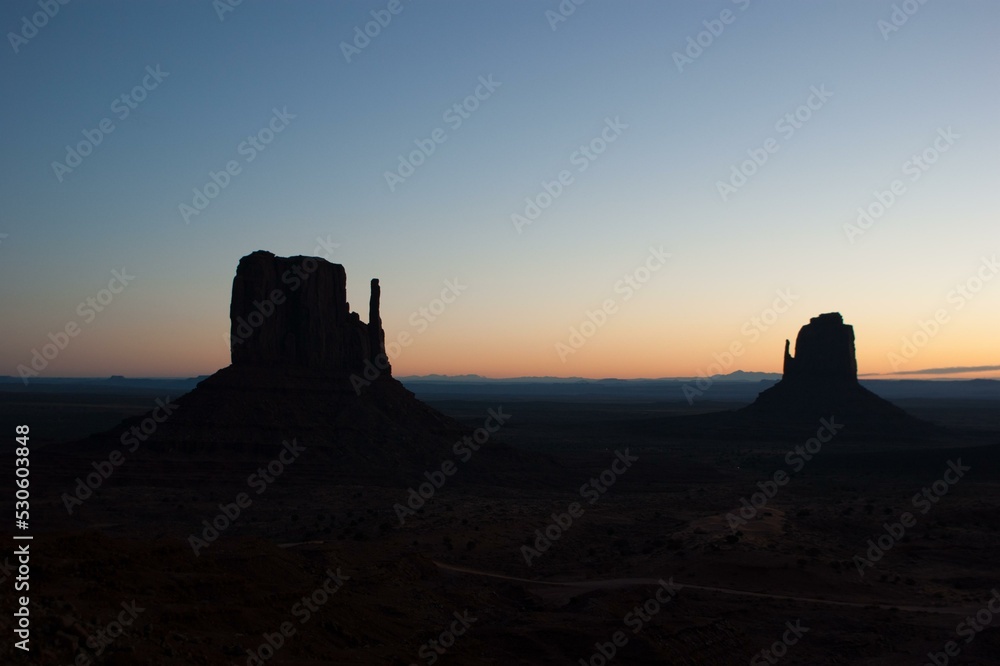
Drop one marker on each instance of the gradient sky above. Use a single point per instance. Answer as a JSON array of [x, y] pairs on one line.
[[655, 186]]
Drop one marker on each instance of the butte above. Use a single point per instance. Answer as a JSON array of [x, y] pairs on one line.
[[305, 367]]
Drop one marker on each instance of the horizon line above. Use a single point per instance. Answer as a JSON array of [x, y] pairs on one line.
[[776, 375]]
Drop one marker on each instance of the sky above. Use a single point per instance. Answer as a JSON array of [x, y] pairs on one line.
[[604, 189]]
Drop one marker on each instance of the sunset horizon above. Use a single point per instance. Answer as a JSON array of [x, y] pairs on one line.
[[709, 182]]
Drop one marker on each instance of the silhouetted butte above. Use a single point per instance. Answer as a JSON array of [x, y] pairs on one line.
[[819, 382], [305, 367]]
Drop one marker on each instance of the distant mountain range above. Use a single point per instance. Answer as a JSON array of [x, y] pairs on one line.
[[736, 387], [737, 376], [101, 383]]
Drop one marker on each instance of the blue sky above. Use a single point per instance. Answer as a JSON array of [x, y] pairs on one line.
[[656, 184]]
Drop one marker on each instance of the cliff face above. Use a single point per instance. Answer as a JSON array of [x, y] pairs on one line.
[[293, 311], [824, 352]]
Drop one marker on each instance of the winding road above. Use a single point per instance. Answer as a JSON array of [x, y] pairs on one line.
[[617, 583]]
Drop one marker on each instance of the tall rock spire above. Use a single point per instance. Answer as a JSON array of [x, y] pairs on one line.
[[376, 336]]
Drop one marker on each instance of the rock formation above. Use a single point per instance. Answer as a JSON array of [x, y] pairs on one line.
[[821, 381], [293, 312], [305, 367], [824, 352]]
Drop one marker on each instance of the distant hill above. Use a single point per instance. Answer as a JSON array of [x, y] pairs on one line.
[[100, 384], [480, 378], [737, 386], [737, 376]]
